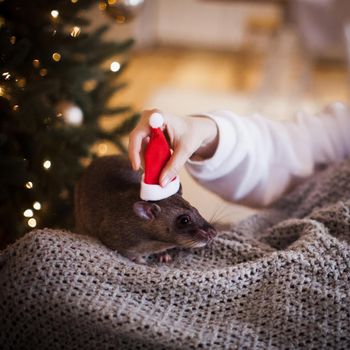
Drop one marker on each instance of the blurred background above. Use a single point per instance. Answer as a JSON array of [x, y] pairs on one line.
[[72, 83], [272, 57]]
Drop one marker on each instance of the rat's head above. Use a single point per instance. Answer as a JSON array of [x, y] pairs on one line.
[[175, 221]]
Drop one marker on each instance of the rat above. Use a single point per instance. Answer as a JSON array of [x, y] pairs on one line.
[[108, 206]]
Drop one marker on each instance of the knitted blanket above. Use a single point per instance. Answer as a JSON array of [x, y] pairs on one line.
[[278, 280]]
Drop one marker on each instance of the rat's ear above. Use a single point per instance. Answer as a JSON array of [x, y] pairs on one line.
[[146, 210]]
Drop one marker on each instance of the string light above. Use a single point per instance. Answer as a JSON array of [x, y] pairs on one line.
[[43, 72], [102, 148], [75, 31], [36, 63], [102, 6], [120, 19], [15, 108], [47, 164], [13, 40], [74, 1], [6, 75], [64, 194], [56, 56], [115, 66], [37, 205], [29, 185], [31, 222], [54, 13], [21, 82], [89, 85], [28, 213]]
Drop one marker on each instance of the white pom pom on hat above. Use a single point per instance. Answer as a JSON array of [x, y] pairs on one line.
[[156, 120]]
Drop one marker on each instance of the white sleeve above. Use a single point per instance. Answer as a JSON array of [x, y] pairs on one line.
[[258, 159]]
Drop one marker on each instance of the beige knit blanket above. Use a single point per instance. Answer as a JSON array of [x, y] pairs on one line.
[[278, 280]]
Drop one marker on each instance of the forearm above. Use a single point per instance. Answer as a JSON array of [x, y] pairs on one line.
[[257, 159], [210, 143]]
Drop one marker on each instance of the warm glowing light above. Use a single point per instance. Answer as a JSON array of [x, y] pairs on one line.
[[37, 205], [89, 85], [31, 222], [28, 213], [21, 82], [102, 6], [75, 31], [64, 194], [111, 2], [6, 75], [73, 1], [102, 148], [56, 56], [29, 185], [120, 19], [115, 66], [2, 91], [43, 72], [13, 40], [47, 164], [54, 13], [36, 63], [15, 107]]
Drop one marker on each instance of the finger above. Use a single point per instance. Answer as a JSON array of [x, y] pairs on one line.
[[175, 164], [141, 131], [143, 149], [135, 143]]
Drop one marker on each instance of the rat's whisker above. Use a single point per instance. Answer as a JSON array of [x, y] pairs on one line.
[[191, 242], [216, 211], [223, 215]]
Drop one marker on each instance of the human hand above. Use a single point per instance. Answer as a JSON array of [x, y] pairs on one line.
[[190, 137]]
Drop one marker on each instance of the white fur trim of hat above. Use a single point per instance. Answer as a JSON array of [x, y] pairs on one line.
[[156, 192]]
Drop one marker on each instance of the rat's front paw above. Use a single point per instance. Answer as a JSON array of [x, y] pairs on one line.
[[164, 257], [138, 259]]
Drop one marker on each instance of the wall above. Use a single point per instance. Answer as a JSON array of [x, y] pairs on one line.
[[194, 23]]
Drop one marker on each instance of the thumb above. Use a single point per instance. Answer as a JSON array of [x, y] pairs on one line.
[[175, 164]]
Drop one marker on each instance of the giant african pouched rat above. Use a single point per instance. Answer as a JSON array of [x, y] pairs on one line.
[[108, 206]]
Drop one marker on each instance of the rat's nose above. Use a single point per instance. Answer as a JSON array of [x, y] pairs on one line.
[[212, 233], [208, 233]]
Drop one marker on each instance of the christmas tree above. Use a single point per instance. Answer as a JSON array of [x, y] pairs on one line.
[[53, 89]]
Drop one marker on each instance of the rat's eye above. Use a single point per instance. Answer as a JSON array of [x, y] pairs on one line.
[[184, 220]]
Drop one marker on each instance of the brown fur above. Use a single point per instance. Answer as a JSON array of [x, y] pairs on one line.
[[104, 208]]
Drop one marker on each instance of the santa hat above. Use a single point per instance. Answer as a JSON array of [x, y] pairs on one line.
[[156, 156]]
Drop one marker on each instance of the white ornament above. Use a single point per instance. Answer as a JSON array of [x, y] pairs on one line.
[[156, 120], [71, 113]]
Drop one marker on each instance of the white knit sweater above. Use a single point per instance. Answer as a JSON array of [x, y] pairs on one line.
[[258, 159]]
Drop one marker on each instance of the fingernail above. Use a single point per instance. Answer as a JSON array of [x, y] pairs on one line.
[[136, 165], [164, 181]]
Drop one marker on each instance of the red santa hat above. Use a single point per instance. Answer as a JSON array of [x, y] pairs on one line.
[[156, 156]]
